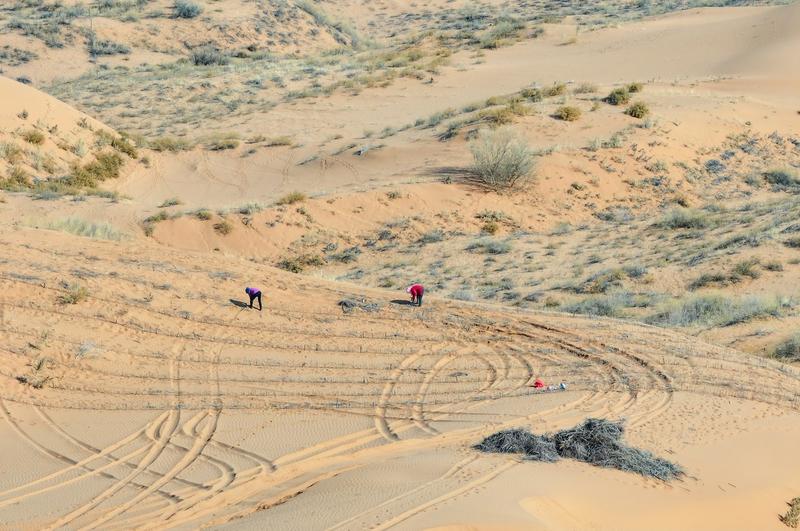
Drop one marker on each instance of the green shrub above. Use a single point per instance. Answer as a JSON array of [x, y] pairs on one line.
[[585, 88], [619, 96], [638, 110], [187, 9], [707, 279], [532, 94], [75, 293], [208, 56], [292, 198], [11, 152], [32, 136], [684, 218], [502, 159], [105, 166], [716, 310], [794, 243], [167, 143], [781, 177], [568, 113], [747, 268], [173, 201], [203, 215], [106, 47], [223, 142], [489, 246], [602, 306], [280, 141], [556, 89], [124, 145], [156, 218], [298, 264], [634, 87]]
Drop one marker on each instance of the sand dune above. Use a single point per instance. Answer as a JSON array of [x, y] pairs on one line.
[[235, 413], [139, 391]]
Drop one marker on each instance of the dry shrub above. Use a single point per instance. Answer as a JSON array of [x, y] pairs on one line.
[[292, 198], [792, 516], [557, 89], [502, 159], [596, 441], [224, 227], [568, 113], [519, 441]]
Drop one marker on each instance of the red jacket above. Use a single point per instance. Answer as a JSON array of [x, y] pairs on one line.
[[417, 290]]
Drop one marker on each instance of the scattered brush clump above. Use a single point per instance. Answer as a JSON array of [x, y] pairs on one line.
[[489, 246], [781, 177], [34, 137], [568, 113], [223, 142], [208, 56], [105, 166], [638, 110], [596, 441], [223, 227], [168, 143], [292, 198], [684, 218], [74, 294], [299, 264], [187, 9], [173, 201], [789, 350], [619, 96]]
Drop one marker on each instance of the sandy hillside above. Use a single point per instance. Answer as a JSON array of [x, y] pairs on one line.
[[156, 402], [155, 162]]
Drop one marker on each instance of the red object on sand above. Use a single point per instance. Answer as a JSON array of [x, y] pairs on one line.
[[538, 384]]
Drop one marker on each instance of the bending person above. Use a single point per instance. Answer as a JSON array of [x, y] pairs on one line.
[[254, 294], [416, 291]]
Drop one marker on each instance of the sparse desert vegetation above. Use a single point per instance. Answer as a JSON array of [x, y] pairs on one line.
[[214, 214]]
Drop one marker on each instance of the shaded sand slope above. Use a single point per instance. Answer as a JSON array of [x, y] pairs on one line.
[[158, 401]]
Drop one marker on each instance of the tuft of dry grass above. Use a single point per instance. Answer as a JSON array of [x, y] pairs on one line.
[[32, 136], [292, 198], [75, 293], [223, 227]]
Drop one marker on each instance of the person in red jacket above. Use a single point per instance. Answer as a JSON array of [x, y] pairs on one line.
[[416, 292]]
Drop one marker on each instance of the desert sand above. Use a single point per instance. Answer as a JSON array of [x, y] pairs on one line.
[[139, 391]]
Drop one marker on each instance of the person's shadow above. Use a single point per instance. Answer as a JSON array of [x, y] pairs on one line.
[[403, 302], [240, 304]]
